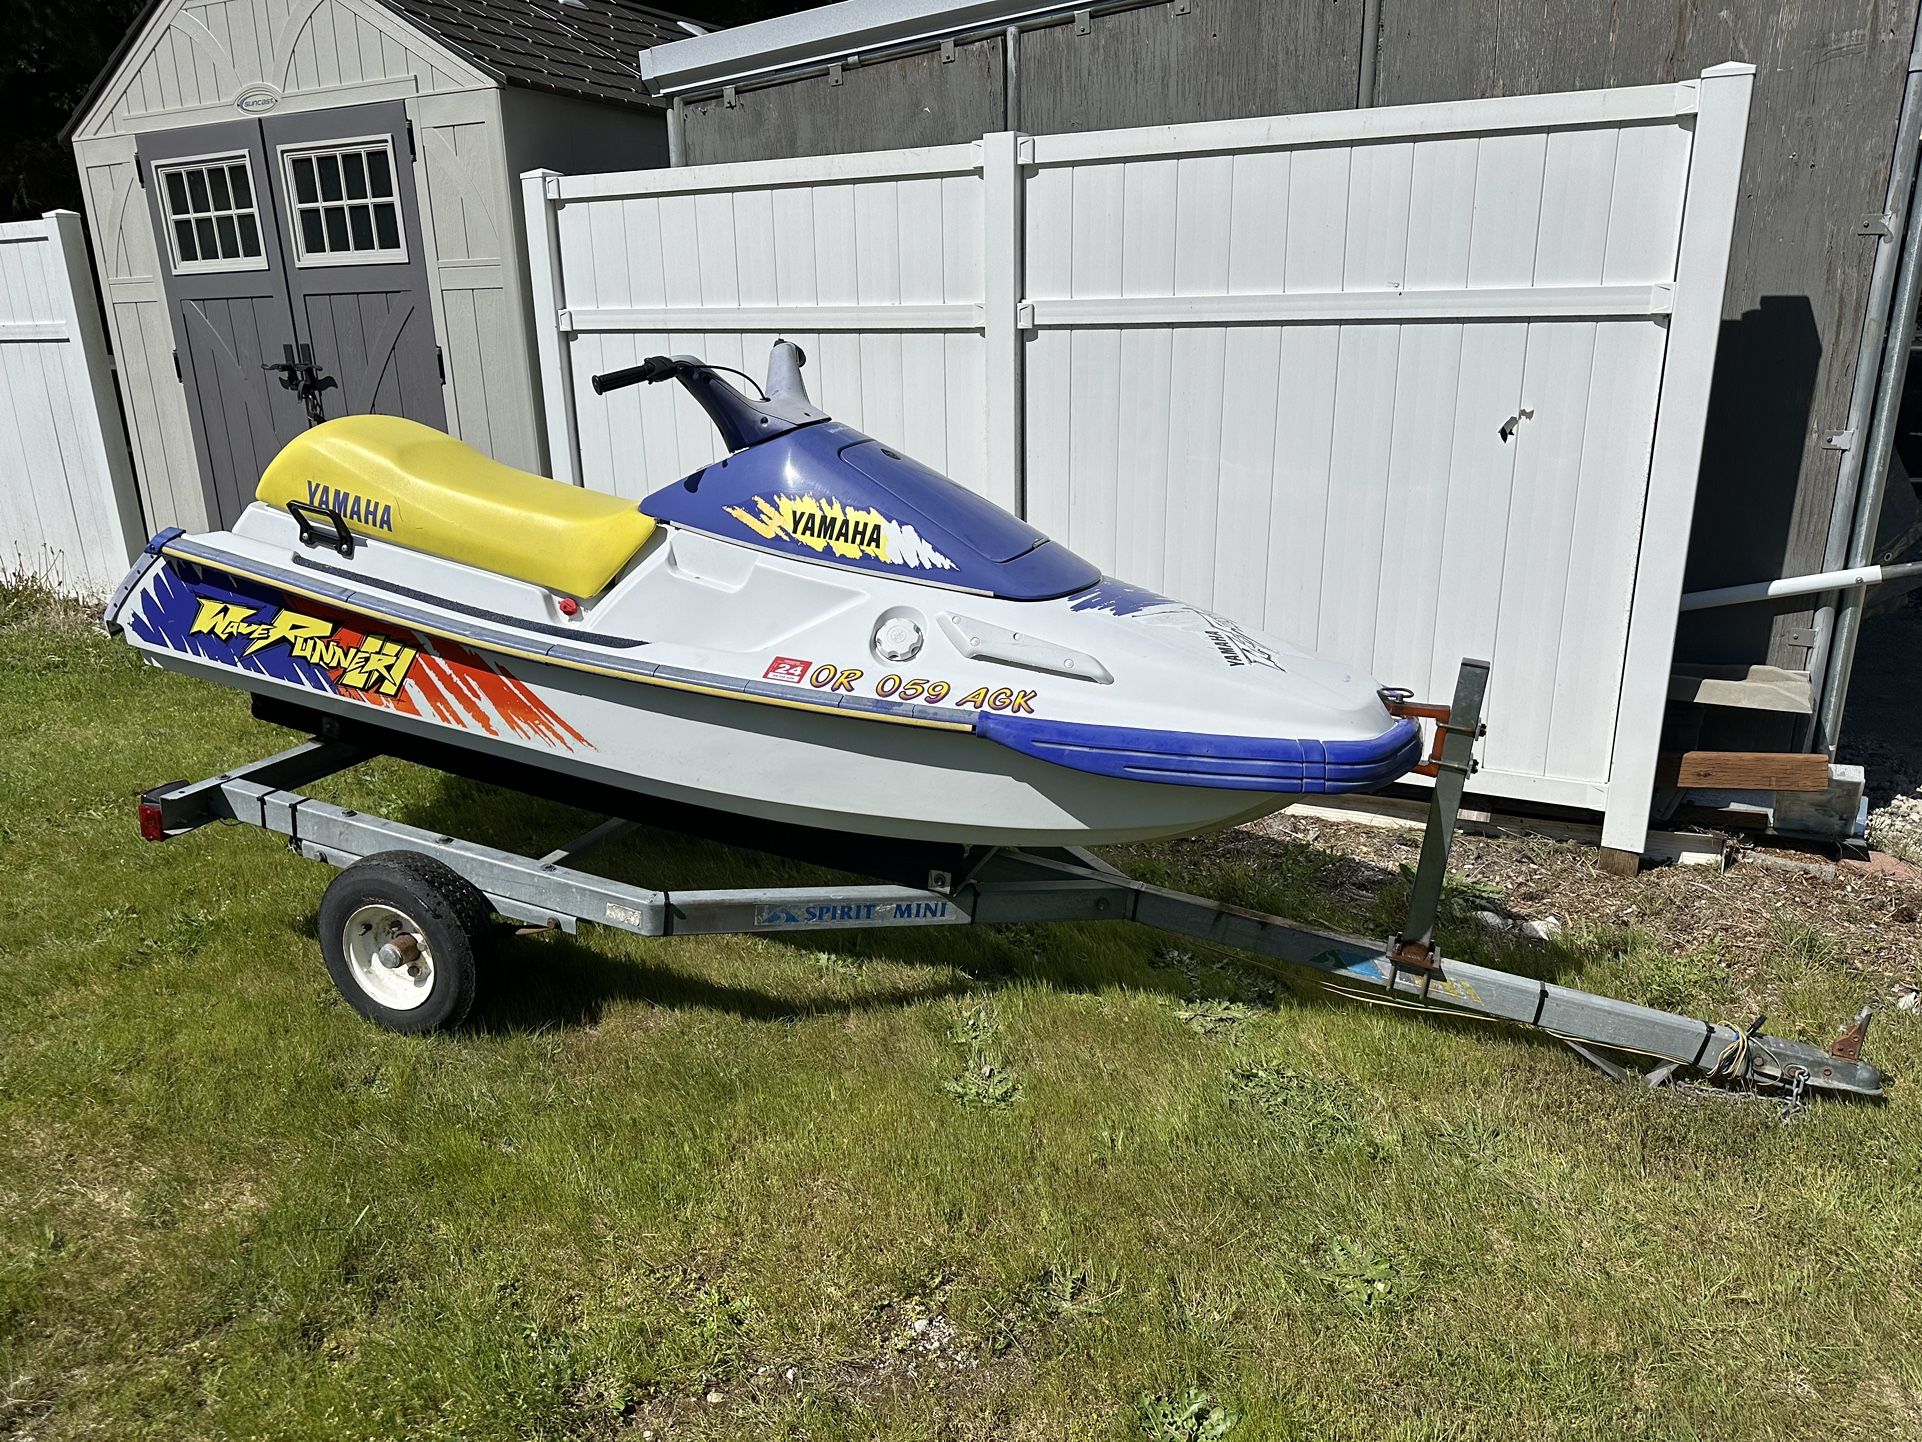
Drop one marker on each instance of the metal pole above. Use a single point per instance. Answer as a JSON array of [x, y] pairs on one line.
[[1370, 50], [1011, 78], [676, 134], [1869, 363], [1868, 499]]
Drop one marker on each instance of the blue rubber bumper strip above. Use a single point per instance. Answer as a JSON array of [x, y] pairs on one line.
[[1235, 763]]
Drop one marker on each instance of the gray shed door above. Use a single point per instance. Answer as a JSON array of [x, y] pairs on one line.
[[298, 231]]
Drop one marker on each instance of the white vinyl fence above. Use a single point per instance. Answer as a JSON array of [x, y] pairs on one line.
[[69, 513], [1403, 384]]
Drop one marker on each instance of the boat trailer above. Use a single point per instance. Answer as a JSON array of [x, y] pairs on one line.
[[977, 886]]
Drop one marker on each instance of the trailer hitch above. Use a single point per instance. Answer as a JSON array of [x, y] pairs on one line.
[[1412, 969]]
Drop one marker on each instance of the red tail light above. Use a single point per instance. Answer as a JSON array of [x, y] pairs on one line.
[[153, 826]]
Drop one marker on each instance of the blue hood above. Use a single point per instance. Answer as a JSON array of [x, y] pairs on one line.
[[828, 493]]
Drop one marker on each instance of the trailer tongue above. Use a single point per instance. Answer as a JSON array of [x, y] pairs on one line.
[[401, 925]]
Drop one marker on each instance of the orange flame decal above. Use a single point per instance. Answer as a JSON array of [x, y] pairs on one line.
[[465, 689]]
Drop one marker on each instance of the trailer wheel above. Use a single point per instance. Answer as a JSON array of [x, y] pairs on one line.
[[402, 933]]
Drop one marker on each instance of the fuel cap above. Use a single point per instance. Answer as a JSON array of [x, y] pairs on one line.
[[897, 638]]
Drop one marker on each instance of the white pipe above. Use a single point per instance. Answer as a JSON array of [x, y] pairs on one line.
[[1799, 585]]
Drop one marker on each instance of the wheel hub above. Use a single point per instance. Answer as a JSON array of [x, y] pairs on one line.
[[388, 957]]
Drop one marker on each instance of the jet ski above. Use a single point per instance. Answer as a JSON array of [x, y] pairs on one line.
[[814, 629]]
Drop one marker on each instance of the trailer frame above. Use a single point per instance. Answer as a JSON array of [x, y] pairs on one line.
[[990, 885]]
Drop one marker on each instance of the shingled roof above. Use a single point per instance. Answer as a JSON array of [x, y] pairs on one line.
[[571, 47], [589, 48]]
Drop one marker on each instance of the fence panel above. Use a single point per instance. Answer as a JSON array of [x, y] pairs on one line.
[[69, 512], [873, 264], [1278, 362]]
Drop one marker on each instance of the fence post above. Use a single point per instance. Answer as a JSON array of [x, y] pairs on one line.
[[1003, 285], [1701, 270], [540, 206], [116, 532]]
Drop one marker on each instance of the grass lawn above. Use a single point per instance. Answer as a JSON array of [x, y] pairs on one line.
[[1050, 1182]]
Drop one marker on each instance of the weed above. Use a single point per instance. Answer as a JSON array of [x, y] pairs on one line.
[[1214, 1018], [28, 598], [833, 963], [183, 936], [1805, 945], [1311, 1111], [986, 1081], [1189, 1416], [1679, 981], [719, 1322], [1461, 900], [1064, 1292], [1363, 1280], [1073, 1291], [1473, 1137]]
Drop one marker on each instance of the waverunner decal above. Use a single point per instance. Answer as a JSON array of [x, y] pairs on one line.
[[848, 532], [370, 663], [331, 650]]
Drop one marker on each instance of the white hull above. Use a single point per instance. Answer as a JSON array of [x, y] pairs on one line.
[[797, 767]]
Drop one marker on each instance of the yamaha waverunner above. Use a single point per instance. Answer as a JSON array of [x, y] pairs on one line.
[[815, 629]]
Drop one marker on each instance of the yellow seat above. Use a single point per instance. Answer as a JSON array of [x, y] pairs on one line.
[[404, 482]]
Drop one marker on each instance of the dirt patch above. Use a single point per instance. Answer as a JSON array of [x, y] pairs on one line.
[[913, 1349], [1866, 920]]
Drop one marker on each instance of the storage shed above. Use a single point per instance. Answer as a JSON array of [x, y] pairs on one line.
[[307, 208]]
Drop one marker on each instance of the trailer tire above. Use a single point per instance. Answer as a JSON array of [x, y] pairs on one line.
[[402, 934]]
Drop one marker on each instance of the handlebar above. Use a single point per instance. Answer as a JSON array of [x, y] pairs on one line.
[[654, 368], [742, 419]]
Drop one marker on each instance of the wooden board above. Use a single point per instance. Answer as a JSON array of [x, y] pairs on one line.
[[1744, 770]]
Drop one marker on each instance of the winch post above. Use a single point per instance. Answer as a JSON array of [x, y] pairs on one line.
[[1452, 762]]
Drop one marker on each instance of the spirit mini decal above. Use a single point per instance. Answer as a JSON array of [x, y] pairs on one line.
[[848, 532], [857, 913], [362, 662]]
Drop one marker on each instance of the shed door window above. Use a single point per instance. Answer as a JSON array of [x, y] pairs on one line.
[[212, 220], [344, 208]]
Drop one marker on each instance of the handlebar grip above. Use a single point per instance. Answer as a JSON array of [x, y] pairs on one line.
[[654, 368]]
